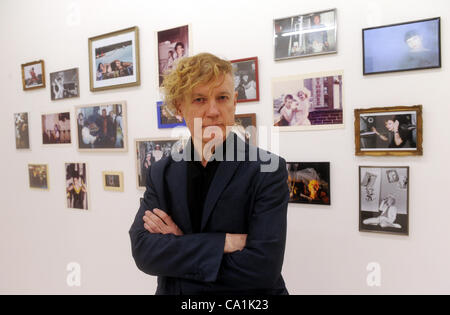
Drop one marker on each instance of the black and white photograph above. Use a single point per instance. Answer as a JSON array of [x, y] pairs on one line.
[[308, 102], [306, 35], [102, 127], [113, 181], [33, 75], [245, 127], [76, 186], [38, 176], [402, 47], [114, 60], [21, 128], [64, 84], [309, 182], [389, 131], [384, 199], [56, 128], [173, 45], [246, 79]]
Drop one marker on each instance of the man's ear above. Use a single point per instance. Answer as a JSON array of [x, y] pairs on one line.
[[235, 98]]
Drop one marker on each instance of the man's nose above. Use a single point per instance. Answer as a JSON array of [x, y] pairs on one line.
[[213, 110]]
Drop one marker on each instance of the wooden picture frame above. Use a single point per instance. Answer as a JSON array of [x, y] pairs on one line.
[[33, 79], [117, 184], [248, 90]]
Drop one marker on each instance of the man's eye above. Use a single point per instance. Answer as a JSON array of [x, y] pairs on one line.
[[223, 98], [199, 100]]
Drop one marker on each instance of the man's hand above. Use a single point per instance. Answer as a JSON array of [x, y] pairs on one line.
[[159, 222], [234, 242]]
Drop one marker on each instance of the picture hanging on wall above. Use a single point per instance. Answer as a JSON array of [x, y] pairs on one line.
[[38, 175], [168, 117], [245, 127], [64, 84], [114, 60], [33, 75], [113, 181], [404, 46], [308, 102], [384, 199], [56, 128], [309, 182], [389, 131], [76, 186], [102, 127], [306, 35], [149, 151], [21, 128], [173, 44], [246, 79]]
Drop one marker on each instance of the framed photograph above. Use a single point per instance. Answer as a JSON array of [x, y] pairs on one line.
[[384, 199], [405, 46], [114, 60], [33, 75], [245, 127], [102, 127], [38, 175], [168, 118], [308, 102], [389, 131], [306, 35], [113, 181], [309, 182], [149, 151], [76, 186], [173, 44], [22, 133], [64, 84], [56, 128], [246, 79]]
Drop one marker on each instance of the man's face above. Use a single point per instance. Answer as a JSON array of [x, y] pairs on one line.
[[214, 103], [317, 20], [118, 64], [104, 113]]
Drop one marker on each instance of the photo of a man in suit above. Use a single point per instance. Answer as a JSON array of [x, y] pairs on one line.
[[213, 221]]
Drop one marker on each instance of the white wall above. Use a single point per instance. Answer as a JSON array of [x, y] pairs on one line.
[[325, 252]]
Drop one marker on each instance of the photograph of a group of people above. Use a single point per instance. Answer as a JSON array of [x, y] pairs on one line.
[[396, 131], [309, 182], [76, 186], [38, 175], [149, 152], [173, 44], [21, 131], [167, 117], [246, 80], [114, 61], [33, 75], [306, 102], [56, 128], [101, 127], [384, 199], [305, 35], [64, 84]]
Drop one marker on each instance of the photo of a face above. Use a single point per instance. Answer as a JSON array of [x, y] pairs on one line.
[[22, 131], [64, 84], [56, 128], [76, 186], [246, 80], [38, 176]]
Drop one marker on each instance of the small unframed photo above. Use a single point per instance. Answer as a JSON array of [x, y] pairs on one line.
[[38, 175], [76, 186]]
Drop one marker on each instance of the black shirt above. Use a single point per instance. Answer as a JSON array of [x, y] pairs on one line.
[[199, 180]]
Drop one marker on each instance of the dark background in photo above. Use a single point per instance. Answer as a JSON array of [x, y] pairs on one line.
[[22, 131], [56, 128], [112, 181], [38, 176], [309, 182], [64, 84], [246, 80]]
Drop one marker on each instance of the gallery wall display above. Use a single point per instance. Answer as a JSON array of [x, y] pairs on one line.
[[245, 128], [173, 44], [114, 60], [38, 176], [56, 128], [389, 131], [113, 181], [309, 182], [167, 118], [21, 131], [384, 199], [306, 35], [246, 79], [76, 186], [401, 47], [64, 84], [33, 75], [102, 127], [308, 102]]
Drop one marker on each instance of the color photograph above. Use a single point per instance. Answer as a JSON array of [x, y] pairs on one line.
[[56, 128], [113, 181], [38, 176], [33, 75], [76, 186], [245, 127], [246, 79], [21, 128], [64, 84], [167, 118]]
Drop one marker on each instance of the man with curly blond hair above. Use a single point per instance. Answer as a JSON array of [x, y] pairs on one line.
[[214, 220]]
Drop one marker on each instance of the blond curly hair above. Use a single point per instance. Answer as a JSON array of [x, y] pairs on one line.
[[190, 72]]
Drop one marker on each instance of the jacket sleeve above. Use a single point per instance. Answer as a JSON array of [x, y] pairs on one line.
[[193, 256], [258, 265]]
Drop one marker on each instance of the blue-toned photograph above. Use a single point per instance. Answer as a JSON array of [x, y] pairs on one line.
[[402, 47], [168, 118]]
